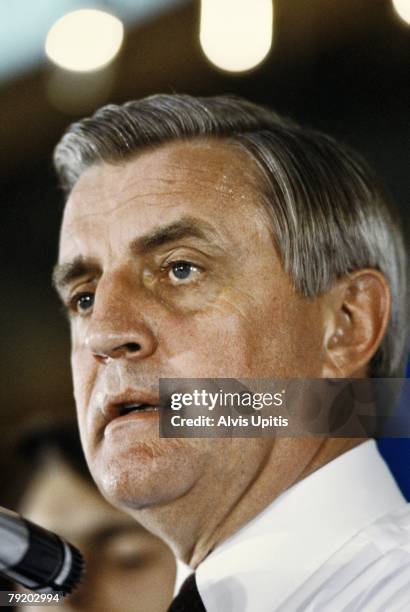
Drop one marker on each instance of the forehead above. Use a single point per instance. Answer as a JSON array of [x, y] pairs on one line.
[[53, 496], [210, 179]]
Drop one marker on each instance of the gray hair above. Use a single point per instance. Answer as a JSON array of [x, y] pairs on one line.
[[329, 214]]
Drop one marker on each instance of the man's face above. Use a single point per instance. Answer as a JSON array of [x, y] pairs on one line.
[[127, 568], [169, 269]]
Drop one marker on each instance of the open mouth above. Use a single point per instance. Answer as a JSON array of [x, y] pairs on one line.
[[128, 408]]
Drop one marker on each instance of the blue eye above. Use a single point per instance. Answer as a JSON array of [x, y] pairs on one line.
[[181, 271], [84, 301]]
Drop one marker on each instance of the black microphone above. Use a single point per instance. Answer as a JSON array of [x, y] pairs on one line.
[[37, 558]]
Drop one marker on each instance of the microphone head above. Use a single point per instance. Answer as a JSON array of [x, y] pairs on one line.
[[71, 571], [36, 558]]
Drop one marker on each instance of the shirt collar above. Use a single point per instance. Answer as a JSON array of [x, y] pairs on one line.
[[280, 548]]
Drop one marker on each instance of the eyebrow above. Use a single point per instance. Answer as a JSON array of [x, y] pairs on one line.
[[65, 273], [187, 227], [107, 532]]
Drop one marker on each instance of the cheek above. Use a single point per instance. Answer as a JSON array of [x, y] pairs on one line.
[[277, 337], [84, 368], [219, 343]]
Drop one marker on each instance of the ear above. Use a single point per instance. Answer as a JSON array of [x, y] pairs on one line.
[[357, 312]]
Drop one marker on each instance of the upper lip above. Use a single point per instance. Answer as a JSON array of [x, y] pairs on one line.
[[112, 405]]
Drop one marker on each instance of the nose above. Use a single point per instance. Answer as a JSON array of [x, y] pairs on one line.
[[127, 344], [117, 329]]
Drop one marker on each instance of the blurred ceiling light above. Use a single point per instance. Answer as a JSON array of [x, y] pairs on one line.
[[79, 93], [84, 40], [236, 35], [402, 8]]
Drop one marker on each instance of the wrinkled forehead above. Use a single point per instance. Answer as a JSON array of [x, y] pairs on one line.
[[213, 163], [210, 178]]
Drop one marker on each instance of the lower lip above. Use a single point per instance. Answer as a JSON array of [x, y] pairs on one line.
[[138, 418]]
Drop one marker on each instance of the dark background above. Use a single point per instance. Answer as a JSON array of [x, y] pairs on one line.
[[339, 66]]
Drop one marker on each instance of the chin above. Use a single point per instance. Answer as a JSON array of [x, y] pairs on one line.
[[150, 475]]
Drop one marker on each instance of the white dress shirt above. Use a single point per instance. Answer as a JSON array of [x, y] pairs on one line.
[[338, 540]]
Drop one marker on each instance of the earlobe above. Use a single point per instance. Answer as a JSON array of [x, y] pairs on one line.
[[357, 315]]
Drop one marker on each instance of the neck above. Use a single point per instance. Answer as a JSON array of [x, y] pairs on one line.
[[192, 537]]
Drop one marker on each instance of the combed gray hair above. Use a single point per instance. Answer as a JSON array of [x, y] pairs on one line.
[[328, 212]]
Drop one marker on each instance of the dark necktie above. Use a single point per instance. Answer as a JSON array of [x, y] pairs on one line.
[[188, 598]]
